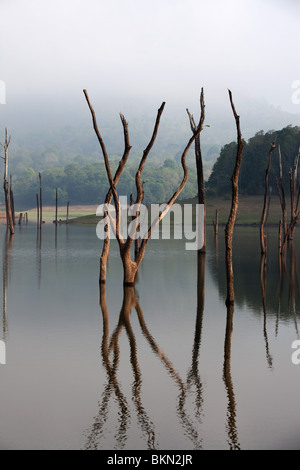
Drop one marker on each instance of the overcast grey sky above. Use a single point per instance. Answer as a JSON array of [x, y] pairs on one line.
[[158, 49]]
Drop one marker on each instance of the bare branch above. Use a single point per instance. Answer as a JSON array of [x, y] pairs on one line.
[[138, 176], [107, 165], [122, 163], [138, 180], [202, 115], [172, 199], [199, 162], [263, 237]]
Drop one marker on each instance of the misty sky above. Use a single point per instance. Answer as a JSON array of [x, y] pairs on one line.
[[154, 50]]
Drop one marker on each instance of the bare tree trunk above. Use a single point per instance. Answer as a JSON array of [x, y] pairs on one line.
[[234, 207], [281, 193], [41, 202], [130, 267], [199, 162], [294, 198], [37, 210], [68, 209], [263, 235], [8, 209], [9, 217], [295, 201], [56, 207], [12, 202], [280, 236], [136, 241], [216, 222]]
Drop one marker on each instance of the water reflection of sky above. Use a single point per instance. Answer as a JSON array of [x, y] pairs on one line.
[[54, 383]]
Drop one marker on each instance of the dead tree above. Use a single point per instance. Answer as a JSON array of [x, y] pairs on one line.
[[9, 217], [234, 207], [199, 162], [131, 267], [294, 197], [279, 236], [56, 206], [263, 235], [12, 201], [295, 202], [41, 202], [216, 223], [37, 211], [68, 210], [281, 193]]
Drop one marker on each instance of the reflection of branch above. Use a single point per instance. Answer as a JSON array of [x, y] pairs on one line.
[[110, 346], [193, 374], [8, 243], [263, 283], [291, 278], [96, 431], [231, 409], [280, 291], [292, 284], [143, 418], [192, 433], [39, 256]]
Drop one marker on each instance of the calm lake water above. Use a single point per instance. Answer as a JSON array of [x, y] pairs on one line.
[[147, 370]]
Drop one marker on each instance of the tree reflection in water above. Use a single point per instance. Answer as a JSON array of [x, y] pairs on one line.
[[231, 410], [193, 376], [6, 268], [111, 359], [110, 351], [263, 284]]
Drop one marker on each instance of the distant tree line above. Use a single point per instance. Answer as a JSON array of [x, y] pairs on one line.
[[255, 160], [87, 184]]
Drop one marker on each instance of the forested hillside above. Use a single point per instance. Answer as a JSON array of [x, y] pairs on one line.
[[255, 160], [88, 184], [84, 180]]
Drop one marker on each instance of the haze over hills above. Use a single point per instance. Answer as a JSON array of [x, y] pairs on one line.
[[52, 134], [131, 56]]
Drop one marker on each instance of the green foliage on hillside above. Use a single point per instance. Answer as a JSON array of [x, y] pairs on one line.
[[255, 160], [88, 184], [84, 181]]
